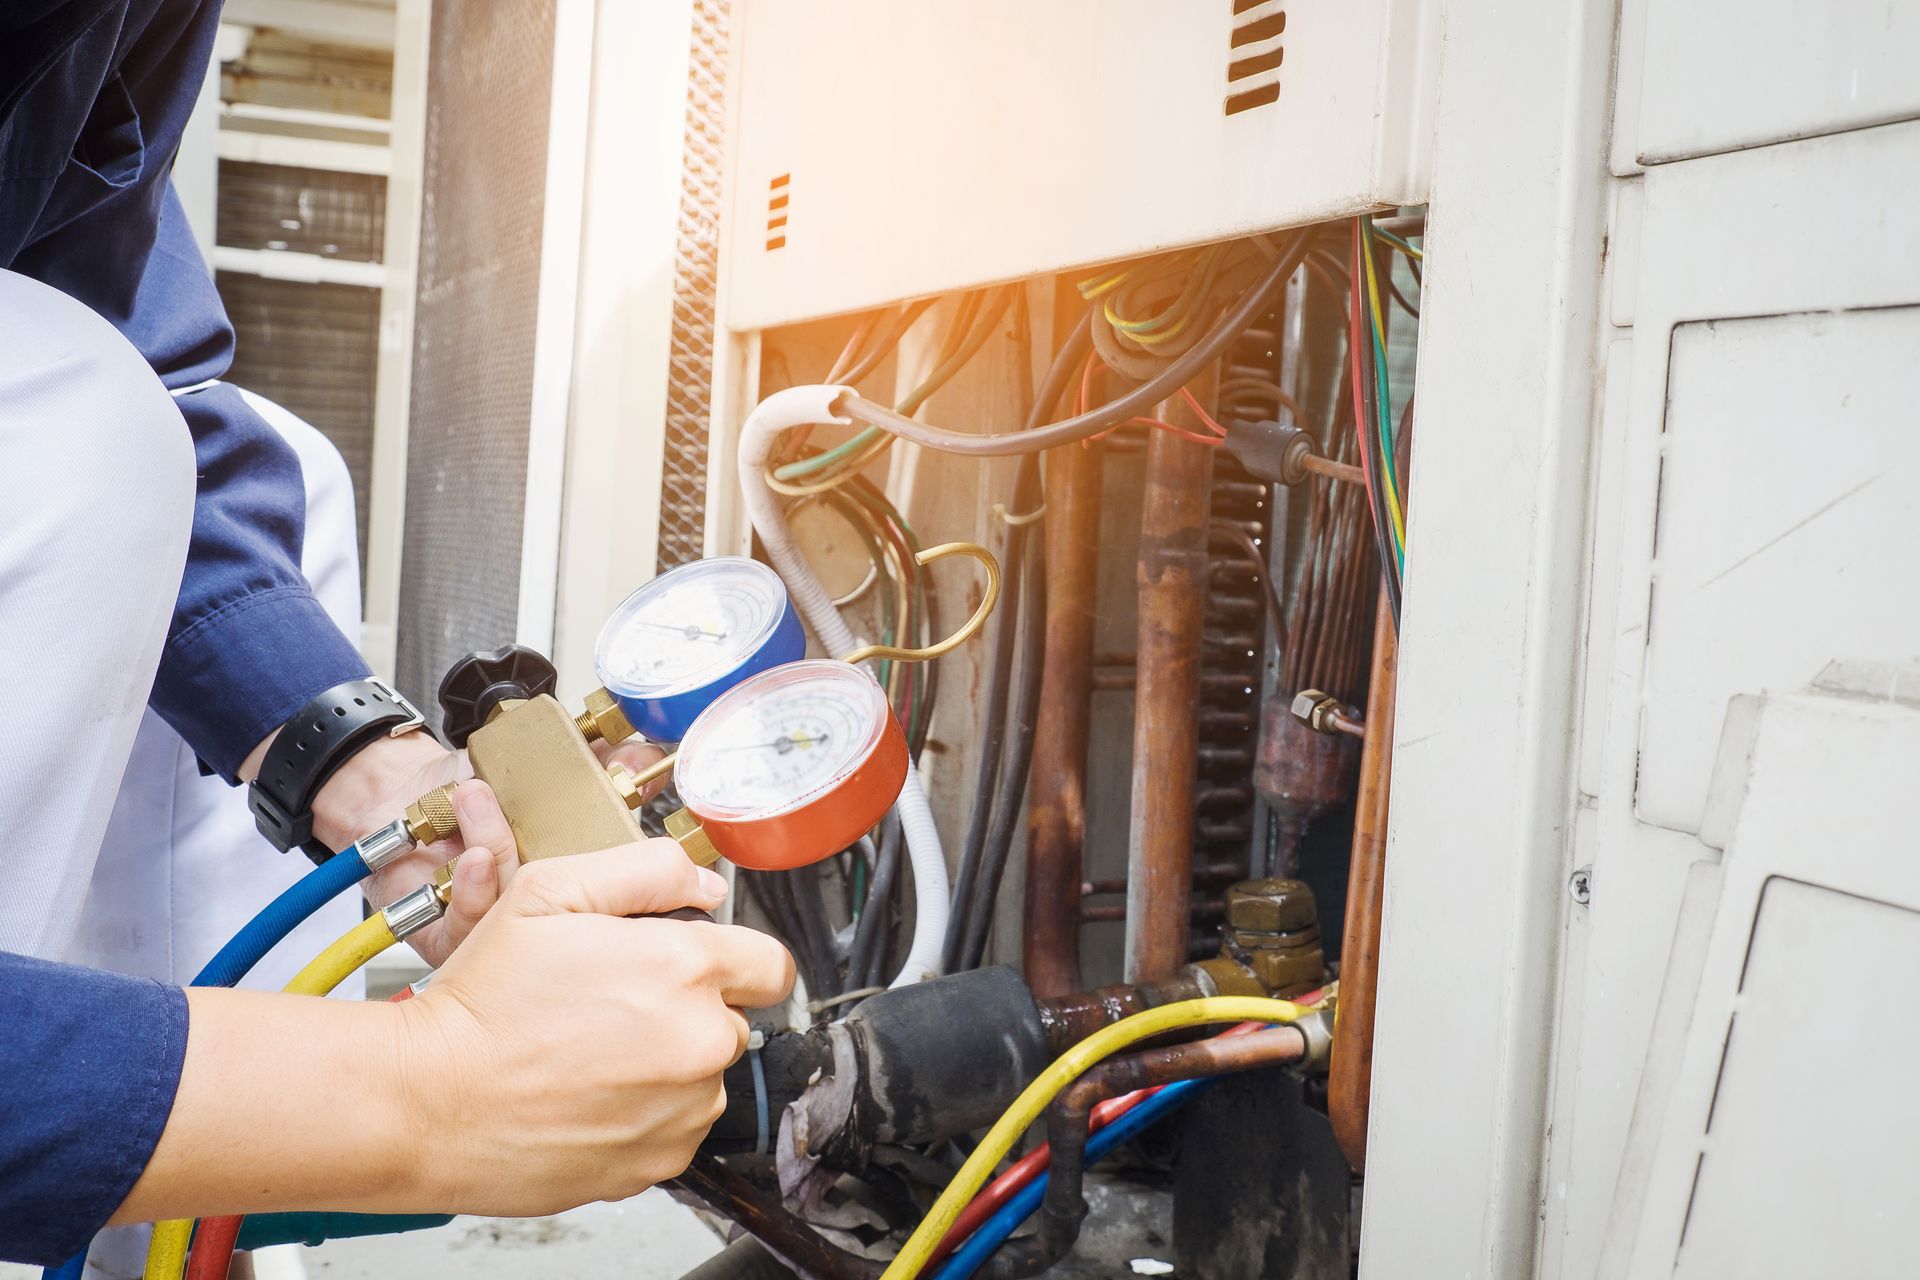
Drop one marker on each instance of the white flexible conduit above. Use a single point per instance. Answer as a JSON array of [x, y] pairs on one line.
[[778, 413]]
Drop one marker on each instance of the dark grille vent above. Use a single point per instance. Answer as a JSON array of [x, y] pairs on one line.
[[271, 206], [1254, 54]]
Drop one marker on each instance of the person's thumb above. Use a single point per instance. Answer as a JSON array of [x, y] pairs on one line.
[[476, 887], [649, 878]]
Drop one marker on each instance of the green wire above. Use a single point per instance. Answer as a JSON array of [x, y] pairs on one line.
[[1384, 409], [1397, 242], [965, 340]]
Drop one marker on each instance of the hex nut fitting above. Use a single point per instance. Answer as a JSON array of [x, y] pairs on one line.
[[1275, 905]]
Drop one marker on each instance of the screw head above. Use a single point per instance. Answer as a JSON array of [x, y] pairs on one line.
[[1580, 885]]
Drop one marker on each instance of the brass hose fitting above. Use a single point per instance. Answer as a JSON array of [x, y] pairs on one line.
[[603, 720], [431, 817]]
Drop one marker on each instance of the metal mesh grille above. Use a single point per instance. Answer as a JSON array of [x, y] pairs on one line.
[[683, 478], [489, 82], [273, 206], [312, 348]]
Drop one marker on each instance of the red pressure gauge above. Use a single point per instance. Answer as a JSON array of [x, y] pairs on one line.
[[792, 765]]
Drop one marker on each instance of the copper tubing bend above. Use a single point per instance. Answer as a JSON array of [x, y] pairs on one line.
[[1057, 781], [1350, 1078]]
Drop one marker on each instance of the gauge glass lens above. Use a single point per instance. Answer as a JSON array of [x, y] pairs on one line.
[[689, 626], [780, 739]]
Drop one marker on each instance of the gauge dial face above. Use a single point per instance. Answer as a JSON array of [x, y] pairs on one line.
[[780, 739], [689, 626]]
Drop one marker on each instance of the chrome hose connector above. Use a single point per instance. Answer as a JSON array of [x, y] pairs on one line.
[[1316, 1029], [384, 845], [413, 911]]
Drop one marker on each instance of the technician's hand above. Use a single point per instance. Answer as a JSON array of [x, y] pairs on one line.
[[567, 1054], [376, 786], [563, 1055]]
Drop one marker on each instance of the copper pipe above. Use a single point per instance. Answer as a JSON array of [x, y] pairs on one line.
[[1172, 576], [1344, 472], [1203, 913], [1350, 1079], [1057, 780], [761, 1214]]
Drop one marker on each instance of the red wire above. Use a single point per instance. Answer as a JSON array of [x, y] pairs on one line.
[[1205, 417], [1182, 432], [213, 1242]]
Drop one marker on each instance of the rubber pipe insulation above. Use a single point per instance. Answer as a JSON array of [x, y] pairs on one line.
[[781, 412]]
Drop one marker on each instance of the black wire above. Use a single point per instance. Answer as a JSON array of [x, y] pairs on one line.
[[1006, 626], [1019, 760], [1225, 332], [871, 938], [1394, 289], [888, 341]]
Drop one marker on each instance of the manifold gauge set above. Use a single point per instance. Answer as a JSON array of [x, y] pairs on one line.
[[783, 761]]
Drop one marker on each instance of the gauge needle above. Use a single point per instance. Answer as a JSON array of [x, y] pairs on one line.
[[781, 744], [690, 632]]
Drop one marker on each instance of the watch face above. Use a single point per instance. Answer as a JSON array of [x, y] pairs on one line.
[[781, 740], [689, 627]]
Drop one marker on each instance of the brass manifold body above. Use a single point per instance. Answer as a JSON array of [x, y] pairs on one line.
[[557, 796]]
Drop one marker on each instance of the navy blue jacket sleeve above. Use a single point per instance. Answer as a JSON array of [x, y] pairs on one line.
[[248, 645], [91, 1062]]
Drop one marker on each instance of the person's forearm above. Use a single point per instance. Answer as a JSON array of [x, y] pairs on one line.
[[286, 1102]]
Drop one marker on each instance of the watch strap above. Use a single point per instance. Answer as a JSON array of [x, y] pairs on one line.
[[311, 746]]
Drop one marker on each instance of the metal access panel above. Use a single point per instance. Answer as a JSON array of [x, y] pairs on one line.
[[889, 150]]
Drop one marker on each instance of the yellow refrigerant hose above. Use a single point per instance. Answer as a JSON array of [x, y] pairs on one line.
[[167, 1254], [1065, 1069]]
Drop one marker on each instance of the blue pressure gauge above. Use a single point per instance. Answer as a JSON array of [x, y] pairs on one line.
[[690, 635]]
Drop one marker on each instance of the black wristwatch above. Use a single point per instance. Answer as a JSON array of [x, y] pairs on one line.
[[326, 733]]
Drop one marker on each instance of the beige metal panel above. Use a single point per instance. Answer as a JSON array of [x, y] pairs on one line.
[[1679, 470], [1783, 1131], [889, 150], [1781, 525], [610, 516], [1484, 760], [1718, 75], [393, 383]]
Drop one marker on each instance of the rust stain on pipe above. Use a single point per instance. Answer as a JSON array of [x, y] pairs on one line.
[[1172, 576], [1350, 1078], [1057, 781]]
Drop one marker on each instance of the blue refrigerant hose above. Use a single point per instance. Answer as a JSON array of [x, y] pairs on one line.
[[246, 949], [282, 916], [993, 1233]]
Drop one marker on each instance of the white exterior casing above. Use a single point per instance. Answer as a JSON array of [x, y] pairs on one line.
[[913, 148]]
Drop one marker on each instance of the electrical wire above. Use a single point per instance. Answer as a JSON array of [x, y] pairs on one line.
[[969, 332], [1252, 303], [1057, 1076]]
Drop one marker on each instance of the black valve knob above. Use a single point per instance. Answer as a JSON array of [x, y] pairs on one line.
[[479, 682]]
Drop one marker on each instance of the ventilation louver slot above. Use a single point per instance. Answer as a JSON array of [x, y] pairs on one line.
[[1254, 53], [777, 211]]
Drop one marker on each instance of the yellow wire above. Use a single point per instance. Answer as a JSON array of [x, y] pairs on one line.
[[1379, 326], [167, 1253], [1064, 1071]]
